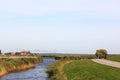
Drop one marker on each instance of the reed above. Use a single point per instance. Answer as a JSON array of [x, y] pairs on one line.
[[17, 64]]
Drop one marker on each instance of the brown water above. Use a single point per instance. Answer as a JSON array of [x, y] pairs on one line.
[[37, 73]]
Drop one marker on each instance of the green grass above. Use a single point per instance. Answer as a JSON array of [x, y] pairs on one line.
[[114, 58], [88, 70], [54, 71]]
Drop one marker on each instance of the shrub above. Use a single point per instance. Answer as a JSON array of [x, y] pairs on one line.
[[101, 53]]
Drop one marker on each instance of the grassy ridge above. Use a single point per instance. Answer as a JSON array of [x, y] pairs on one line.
[[55, 70], [88, 70], [9, 65]]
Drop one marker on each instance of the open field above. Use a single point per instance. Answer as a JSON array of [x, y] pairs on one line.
[[114, 57]]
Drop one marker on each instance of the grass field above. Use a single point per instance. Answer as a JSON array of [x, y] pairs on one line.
[[114, 58], [82, 70], [88, 70]]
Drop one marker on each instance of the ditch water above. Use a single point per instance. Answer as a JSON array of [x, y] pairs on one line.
[[37, 73]]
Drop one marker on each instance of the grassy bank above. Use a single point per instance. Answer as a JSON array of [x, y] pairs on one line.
[[88, 70], [8, 65], [82, 70], [114, 58], [55, 70]]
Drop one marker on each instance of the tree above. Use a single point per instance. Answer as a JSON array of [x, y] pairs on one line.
[[0, 52], [101, 53]]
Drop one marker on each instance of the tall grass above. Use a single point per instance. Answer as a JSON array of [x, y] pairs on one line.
[[75, 57], [16, 64]]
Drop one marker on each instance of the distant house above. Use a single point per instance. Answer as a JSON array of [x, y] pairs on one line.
[[21, 53], [25, 53], [13, 53]]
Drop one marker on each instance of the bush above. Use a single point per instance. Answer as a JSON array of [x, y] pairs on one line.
[[101, 53]]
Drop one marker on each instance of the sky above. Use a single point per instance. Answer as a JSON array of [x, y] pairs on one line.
[[60, 26]]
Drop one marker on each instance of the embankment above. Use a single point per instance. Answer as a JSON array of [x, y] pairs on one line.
[[55, 70], [8, 65], [82, 70]]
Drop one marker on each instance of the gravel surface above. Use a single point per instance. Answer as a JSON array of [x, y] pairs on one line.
[[107, 62]]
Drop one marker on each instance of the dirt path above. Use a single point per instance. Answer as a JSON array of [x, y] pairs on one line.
[[107, 62]]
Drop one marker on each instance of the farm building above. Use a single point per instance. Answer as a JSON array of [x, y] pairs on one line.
[[21, 53]]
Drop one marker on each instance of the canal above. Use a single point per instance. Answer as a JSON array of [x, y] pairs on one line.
[[37, 73]]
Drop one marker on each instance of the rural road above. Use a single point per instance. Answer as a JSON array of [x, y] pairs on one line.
[[107, 62]]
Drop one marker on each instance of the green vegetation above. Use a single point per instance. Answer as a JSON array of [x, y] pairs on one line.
[[101, 53], [17, 64], [114, 58], [88, 70], [55, 70], [70, 56], [82, 70]]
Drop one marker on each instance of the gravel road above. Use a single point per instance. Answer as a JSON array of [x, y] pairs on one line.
[[107, 62]]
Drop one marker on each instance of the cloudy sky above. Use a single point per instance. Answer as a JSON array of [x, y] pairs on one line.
[[67, 26]]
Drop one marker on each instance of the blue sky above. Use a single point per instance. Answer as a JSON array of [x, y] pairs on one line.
[[67, 26]]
